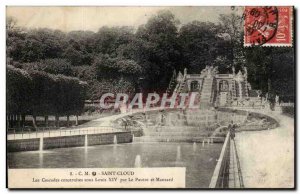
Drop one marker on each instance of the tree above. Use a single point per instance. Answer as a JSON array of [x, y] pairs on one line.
[[11, 24], [52, 66], [84, 72], [272, 70], [200, 43], [37, 93], [18, 94], [34, 45], [159, 51], [80, 47], [14, 38], [232, 25], [115, 58], [108, 40]]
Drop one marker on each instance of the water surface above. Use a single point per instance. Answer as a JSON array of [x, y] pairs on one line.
[[199, 161]]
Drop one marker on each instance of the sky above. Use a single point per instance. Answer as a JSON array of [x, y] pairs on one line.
[[68, 18]]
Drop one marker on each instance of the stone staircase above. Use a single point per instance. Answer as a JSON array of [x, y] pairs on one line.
[[206, 93], [172, 83], [178, 134], [180, 86]]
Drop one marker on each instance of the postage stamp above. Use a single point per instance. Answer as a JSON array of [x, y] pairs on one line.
[[268, 26]]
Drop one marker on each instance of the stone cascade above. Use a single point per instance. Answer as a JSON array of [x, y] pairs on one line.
[[240, 89], [186, 125], [216, 89], [181, 85], [172, 84], [206, 93], [233, 89]]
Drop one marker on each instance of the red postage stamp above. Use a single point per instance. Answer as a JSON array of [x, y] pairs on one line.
[[268, 26]]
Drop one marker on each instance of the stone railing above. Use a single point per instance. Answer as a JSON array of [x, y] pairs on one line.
[[220, 175], [227, 173]]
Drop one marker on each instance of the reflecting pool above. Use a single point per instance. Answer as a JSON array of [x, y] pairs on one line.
[[199, 160]]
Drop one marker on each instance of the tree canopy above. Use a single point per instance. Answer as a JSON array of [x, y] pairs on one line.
[[115, 59]]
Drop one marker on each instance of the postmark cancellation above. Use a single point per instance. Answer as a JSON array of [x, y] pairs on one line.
[[268, 26]]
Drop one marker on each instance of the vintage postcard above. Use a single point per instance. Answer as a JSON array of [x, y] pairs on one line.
[[150, 97]]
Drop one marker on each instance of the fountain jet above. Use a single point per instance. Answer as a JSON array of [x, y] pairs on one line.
[[85, 141], [194, 146], [115, 139], [41, 155], [138, 162], [41, 148]]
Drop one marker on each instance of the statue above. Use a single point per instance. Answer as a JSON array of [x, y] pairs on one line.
[[239, 73], [215, 70], [258, 93], [233, 70], [239, 77], [209, 72], [245, 72], [179, 77], [277, 99], [277, 105]]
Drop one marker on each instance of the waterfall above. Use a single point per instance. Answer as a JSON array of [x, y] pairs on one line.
[[115, 139], [138, 162], [41, 148], [203, 143], [132, 137]]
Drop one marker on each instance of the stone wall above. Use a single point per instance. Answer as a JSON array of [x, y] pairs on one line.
[[67, 141], [23, 145], [108, 138], [63, 142], [137, 133], [180, 139], [250, 114]]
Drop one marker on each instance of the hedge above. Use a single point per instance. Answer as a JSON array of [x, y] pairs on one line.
[[41, 94]]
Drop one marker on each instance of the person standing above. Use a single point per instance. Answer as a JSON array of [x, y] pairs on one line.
[[232, 130]]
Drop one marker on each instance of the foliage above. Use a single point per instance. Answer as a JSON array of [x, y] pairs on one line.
[[201, 44], [53, 66], [116, 58], [159, 51], [38, 93]]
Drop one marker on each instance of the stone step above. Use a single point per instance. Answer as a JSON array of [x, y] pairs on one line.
[[205, 95], [178, 139], [172, 134]]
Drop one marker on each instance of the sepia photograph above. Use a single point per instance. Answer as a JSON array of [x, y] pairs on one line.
[[176, 97]]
